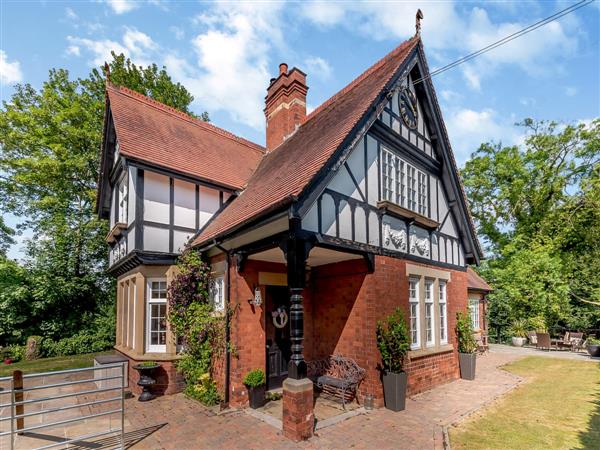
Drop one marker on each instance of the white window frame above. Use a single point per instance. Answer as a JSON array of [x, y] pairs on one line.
[[149, 302], [403, 184], [443, 312], [413, 300], [217, 293], [474, 309], [429, 314]]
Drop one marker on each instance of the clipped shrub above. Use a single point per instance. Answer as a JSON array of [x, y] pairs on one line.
[[393, 341], [464, 333], [255, 378]]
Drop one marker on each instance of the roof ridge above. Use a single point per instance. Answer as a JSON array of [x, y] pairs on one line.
[[358, 79], [184, 116]]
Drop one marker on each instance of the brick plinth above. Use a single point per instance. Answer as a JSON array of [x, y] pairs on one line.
[[298, 413], [168, 380]]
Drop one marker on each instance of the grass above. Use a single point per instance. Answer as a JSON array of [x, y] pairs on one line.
[[557, 408], [50, 364]]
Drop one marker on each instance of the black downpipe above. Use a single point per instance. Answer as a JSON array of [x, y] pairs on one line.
[[227, 328]]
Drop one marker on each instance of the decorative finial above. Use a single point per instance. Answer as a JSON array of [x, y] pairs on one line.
[[418, 22], [107, 71]]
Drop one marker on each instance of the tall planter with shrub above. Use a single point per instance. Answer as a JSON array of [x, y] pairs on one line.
[[518, 331], [255, 381], [466, 346], [393, 342]]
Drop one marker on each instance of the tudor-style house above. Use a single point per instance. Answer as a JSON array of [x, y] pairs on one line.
[[346, 214]]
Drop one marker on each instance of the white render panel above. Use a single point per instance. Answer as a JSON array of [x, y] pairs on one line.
[[345, 220], [435, 252], [373, 170], [373, 229], [113, 213], [343, 184], [156, 239], [442, 202], [310, 222], [131, 240], [360, 225], [433, 189], [184, 210], [132, 175], [356, 163], [442, 249], [449, 227], [180, 238], [209, 204], [156, 198], [328, 215]]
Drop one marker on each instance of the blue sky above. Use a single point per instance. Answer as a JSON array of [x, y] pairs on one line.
[[225, 53]]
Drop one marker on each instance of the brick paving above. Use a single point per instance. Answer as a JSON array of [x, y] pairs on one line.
[[188, 425], [175, 422]]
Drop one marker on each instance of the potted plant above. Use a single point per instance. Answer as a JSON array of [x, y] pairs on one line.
[[593, 346], [518, 332], [255, 381], [393, 342], [466, 346], [145, 370]]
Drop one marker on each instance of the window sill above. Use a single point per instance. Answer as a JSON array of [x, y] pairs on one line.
[[413, 354], [399, 211], [147, 356], [115, 231]]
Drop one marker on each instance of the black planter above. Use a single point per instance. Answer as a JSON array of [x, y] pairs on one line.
[[256, 396], [593, 349], [146, 381], [394, 390], [467, 362]]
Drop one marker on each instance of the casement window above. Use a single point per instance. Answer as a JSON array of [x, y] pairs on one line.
[[415, 319], [429, 328], [156, 314], [122, 205], [474, 307], [443, 313], [403, 184], [217, 293]]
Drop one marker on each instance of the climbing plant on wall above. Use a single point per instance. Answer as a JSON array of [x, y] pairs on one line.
[[198, 328]]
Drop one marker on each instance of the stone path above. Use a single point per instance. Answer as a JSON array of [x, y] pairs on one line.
[[174, 422]]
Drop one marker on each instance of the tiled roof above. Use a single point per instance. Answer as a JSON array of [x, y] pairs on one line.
[[155, 133], [285, 172], [475, 282]]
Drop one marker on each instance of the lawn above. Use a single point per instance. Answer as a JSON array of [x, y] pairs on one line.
[[49, 364], [558, 407]]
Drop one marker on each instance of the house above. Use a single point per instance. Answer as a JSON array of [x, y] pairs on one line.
[[347, 213]]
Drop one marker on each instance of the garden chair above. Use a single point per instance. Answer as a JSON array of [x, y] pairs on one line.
[[543, 341], [577, 342], [532, 336]]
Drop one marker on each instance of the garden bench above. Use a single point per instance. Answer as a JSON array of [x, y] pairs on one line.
[[336, 376]]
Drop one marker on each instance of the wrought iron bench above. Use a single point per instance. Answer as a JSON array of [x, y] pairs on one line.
[[336, 376]]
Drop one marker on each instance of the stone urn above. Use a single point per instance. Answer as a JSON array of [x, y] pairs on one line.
[[518, 341], [146, 381]]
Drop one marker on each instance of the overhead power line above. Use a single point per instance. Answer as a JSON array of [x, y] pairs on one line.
[[574, 7]]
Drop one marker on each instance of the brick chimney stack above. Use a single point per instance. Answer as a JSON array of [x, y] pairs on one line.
[[285, 104]]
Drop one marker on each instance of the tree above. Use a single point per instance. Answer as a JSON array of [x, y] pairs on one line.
[[49, 162], [6, 237]]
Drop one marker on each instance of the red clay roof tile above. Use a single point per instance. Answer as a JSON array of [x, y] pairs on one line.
[[152, 132], [475, 282], [284, 172]]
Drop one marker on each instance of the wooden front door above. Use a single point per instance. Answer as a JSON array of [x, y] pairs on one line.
[[278, 339]]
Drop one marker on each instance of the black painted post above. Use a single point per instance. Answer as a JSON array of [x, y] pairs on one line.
[[296, 262]]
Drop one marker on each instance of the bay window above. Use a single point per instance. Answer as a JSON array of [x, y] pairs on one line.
[[156, 314], [443, 313], [413, 299], [403, 184]]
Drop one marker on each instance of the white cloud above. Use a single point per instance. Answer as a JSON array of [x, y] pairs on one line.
[[318, 67], [70, 14], [10, 71], [468, 129], [232, 66], [136, 45], [122, 6]]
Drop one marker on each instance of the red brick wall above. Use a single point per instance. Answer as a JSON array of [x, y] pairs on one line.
[[168, 380]]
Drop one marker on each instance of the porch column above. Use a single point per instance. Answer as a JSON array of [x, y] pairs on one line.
[[298, 414]]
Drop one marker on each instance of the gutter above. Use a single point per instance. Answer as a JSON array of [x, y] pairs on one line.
[[227, 328]]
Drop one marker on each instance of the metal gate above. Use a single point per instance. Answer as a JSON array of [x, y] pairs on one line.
[[111, 379]]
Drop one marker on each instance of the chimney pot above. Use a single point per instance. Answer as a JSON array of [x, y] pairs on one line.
[[283, 68]]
